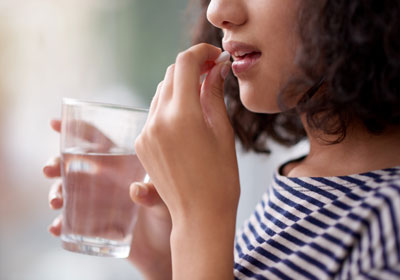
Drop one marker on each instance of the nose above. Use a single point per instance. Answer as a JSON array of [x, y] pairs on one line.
[[226, 14]]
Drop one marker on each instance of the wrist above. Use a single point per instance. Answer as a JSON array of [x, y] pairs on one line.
[[204, 221], [217, 220], [206, 208], [202, 248]]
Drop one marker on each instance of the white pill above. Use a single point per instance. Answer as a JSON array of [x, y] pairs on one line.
[[224, 56]]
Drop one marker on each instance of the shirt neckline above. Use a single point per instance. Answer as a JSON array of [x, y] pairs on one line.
[[345, 180]]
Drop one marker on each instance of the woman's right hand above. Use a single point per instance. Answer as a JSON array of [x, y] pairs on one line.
[[150, 248]]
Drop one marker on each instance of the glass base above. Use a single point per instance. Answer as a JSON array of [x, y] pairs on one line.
[[95, 246]]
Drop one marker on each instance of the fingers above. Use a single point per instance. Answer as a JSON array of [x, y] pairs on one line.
[[55, 195], [207, 66], [56, 125], [214, 83], [52, 168], [145, 194], [212, 96], [213, 86], [154, 101], [164, 90], [168, 83], [188, 68], [55, 227], [85, 131], [90, 133]]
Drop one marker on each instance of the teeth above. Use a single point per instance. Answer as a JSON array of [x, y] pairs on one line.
[[240, 53]]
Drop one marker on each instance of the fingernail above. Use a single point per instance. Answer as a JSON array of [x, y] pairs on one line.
[[51, 162], [46, 169], [50, 229], [55, 202], [203, 78], [140, 189], [225, 69], [53, 230]]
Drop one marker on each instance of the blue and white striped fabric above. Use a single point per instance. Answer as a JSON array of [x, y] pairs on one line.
[[324, 228]]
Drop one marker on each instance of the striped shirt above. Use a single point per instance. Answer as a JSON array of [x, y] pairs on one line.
[[345, 227]]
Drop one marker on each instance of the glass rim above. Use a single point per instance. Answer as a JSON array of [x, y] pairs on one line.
[[80, 102]]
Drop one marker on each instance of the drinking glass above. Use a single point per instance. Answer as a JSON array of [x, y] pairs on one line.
[[98, 164]]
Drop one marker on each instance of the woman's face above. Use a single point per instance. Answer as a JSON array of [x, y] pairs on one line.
[[261, 35]]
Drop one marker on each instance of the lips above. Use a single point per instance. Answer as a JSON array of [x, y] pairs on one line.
[[245, 56]]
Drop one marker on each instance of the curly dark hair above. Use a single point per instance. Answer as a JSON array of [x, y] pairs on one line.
[[350, 57]]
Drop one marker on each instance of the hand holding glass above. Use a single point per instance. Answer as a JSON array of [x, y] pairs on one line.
[[97, 147]]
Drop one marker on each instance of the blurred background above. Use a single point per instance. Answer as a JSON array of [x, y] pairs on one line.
[[101, 50]]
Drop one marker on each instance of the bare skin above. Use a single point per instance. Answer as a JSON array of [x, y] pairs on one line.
[[187, 146], [151, 243], [277, 40], [152, 231], [361, 151]]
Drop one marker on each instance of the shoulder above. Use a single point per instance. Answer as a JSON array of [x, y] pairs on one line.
[[381, 242], [383, 197], [385, 182]]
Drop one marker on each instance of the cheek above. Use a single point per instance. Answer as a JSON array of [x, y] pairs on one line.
[[259, 90]]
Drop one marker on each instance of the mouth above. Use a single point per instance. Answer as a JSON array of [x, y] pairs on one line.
[[239, 55], [245, 56]]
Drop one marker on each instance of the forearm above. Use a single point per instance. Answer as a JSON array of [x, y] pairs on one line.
[[202, 248]]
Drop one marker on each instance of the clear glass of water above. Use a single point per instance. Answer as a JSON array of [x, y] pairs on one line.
[[98, 164]]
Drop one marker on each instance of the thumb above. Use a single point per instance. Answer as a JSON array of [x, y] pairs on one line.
[[145, 194], [212, 93]]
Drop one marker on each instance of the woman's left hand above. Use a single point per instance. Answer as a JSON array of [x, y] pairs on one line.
[[188, 149]]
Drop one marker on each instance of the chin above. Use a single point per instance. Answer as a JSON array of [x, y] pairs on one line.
[[259, 102]]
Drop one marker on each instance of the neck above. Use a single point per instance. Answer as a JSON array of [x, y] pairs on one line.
[[359, 152]]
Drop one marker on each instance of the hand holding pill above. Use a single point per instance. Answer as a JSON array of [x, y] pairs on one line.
[[189, 129], [188, 149]]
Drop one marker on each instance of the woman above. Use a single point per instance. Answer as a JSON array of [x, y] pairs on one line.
[[331, 69]]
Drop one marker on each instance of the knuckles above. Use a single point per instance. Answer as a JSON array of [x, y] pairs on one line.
[[190, 55], [166, 127], [186, 57], [139, 145], [155, 127], [170, 68], [172, 119], [160, 84]]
